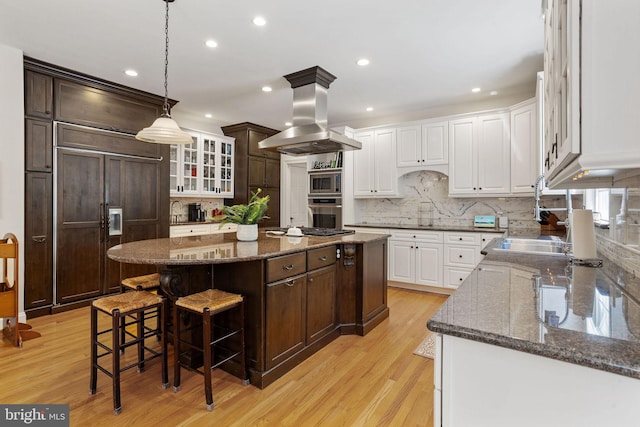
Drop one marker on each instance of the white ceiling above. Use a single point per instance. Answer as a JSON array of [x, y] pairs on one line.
[[425, 55]]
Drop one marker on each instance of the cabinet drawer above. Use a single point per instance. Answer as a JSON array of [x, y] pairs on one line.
[[188, 230], [317, 258], [286, 266], [467, 256], [424, 236], [453, 277], [226, 228], [463, 238]]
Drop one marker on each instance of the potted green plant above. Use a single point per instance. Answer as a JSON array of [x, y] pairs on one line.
[[246, 216]]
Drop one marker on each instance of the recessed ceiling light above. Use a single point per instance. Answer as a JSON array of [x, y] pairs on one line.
[[259, 21], [369, 108], [493, 93], [132, 73], [363, 62], [211, 43], [266, 88], [475, 90], [288, 124], [208, 115]]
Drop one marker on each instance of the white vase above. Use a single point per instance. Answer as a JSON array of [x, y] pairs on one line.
[[247, 232]]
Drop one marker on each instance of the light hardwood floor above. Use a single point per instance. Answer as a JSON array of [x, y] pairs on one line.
[[374, 380]]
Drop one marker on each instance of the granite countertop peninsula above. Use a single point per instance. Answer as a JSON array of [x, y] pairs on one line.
[[545, 305], [429, 227], [223, 248]]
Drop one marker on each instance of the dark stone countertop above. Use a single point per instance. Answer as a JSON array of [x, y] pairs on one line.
[[429, 228], [223, 248], [502, 303]]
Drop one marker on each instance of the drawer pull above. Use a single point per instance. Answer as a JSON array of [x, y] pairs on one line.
[[39, 239], [323, 258], [459, 256], [287, 267], [460, 279], [460, 238], [290, 283]]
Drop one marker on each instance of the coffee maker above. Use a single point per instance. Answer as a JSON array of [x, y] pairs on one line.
[[195, 213]]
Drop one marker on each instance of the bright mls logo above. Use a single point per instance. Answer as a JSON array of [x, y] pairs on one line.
[[36, 415]]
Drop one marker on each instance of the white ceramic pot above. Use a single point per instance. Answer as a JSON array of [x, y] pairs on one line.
[[247, 232]]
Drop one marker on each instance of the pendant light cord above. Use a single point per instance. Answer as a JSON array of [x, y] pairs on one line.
[[166, 60]]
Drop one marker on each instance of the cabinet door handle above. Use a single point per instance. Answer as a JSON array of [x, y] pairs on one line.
[[290, 283], [287, 267], [323, 258], [460, 279], [310, 279], [39, 239]]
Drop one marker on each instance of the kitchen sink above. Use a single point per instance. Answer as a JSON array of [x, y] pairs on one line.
[[533, 246]]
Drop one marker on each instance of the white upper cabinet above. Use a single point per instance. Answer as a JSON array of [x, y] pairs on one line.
[[203, 168], [374, 169], [479, 155], [592, 95], [423, 145], [463, 171], [524, 148]]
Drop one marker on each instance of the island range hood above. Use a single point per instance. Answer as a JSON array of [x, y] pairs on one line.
[[309, 133]]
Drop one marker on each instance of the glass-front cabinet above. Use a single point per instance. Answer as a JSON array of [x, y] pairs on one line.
[[203, 168]]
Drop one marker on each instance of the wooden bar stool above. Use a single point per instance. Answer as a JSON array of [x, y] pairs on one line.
[[138, 304], [206, 305], [148, 282]]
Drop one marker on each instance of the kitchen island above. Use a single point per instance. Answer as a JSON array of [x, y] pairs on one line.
[[300, 292], [534, 340]]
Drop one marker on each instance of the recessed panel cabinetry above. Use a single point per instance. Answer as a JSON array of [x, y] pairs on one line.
[[374, 169], [204, 168], [525, 158], [255, 168], [591, 94], [461, 255], [423, 144], [479, 155], [300, 302], [416, 257], [84, 112]]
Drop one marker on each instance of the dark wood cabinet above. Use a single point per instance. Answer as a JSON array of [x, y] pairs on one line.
[[80, 232], [89, 184], [255, 168], [321, 303], [371, 301], [135, 177], [38, 240], [295, 307], [284, 319], [86, 105], [38, 138], [38, 91]]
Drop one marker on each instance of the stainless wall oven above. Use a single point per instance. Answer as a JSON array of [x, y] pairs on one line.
[[326, 212], [325, 183]]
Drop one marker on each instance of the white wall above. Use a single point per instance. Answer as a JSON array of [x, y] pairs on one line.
[[12, 149]]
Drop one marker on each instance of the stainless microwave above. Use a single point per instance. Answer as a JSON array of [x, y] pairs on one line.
[[324, 183]]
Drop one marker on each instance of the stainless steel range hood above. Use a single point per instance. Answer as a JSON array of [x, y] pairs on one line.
[[309, 133]]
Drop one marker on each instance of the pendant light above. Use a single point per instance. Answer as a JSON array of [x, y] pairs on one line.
[[164, 129]]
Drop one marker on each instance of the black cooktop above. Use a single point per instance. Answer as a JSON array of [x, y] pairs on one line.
[[318, 231]]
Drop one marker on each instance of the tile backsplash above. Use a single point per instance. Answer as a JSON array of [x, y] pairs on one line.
[[179, 209], [426, 190]]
